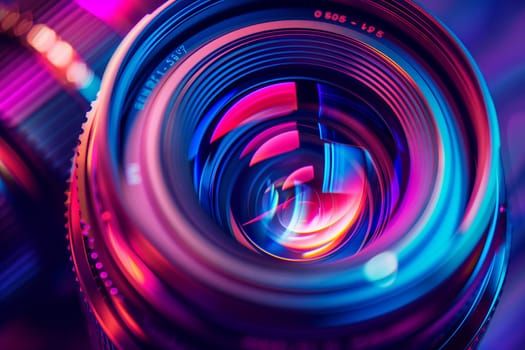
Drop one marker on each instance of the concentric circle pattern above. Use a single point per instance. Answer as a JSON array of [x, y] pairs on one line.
[[275, 175]]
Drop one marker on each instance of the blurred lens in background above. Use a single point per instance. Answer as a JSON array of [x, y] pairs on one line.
[[37, 300], [52, 54]]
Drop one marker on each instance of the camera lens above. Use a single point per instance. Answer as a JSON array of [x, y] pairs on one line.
[[290, 175]]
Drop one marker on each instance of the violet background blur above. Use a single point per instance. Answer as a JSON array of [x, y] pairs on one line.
[[492, 30], [494, 33]]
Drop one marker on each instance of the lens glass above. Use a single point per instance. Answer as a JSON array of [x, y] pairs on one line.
[[297, 181]]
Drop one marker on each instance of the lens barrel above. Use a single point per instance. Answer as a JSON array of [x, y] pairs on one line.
[[290, 175]]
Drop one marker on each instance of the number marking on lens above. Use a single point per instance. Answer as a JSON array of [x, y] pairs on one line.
[[340, 18], [157, 74]]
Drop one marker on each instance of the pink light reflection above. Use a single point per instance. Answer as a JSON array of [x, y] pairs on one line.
[[266, 103], [265, 135], [300, 176], [104, 9], [280, 144]]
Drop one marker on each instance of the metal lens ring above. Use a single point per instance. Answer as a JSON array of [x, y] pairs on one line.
[[284, 175]]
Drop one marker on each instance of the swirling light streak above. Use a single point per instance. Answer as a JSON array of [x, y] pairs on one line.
[[366, 186]]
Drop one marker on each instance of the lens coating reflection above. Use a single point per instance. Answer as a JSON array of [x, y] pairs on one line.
[[297, 183]]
